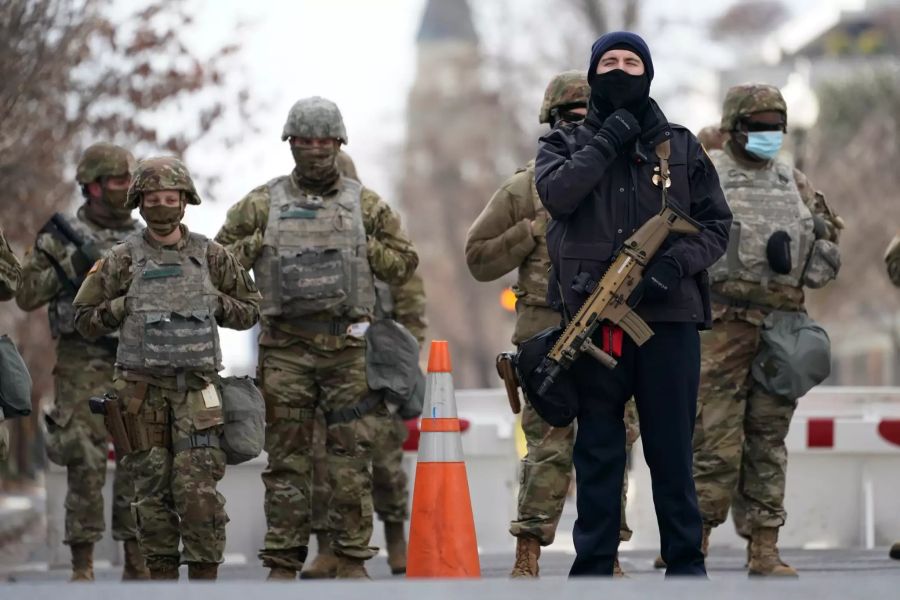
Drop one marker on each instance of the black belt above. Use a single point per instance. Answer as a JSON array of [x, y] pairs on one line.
[[335, 327], [345, 415]]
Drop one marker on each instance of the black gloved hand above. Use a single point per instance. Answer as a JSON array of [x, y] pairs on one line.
[[778, 252], [658, 280], [617, 130]]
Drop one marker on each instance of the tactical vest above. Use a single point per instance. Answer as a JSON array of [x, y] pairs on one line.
[[60, 312], [171, 325], [762, 201], [531, 286], [314, 256]]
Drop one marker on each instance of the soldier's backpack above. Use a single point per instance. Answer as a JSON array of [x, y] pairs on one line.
[[244, 412], [15, 381], [392, 367], [795, 354]]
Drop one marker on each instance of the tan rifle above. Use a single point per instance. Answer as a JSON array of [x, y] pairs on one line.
[[608, 301]]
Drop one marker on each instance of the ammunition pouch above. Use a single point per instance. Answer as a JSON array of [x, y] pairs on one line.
[[823, 264], [149, 429]]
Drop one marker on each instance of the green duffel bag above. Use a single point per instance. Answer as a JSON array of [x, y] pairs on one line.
[[794, 355], [244, 412], [15, 381], [392, 367]]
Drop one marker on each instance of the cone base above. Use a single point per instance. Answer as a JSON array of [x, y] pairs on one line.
[[442, 539]]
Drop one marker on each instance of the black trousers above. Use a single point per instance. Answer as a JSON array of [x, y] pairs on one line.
[[663, 377]]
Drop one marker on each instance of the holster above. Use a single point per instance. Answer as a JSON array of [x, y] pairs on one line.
[[507, 373], [115, 425]]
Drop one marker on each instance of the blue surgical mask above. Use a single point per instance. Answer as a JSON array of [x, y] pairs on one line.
[[764, 144]]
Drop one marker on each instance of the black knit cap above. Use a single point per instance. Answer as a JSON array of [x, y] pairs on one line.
[[620, 40]]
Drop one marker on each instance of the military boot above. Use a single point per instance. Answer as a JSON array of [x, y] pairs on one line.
[[764, 558], [134, 568], [528, 552], [704, 545], [395, 536], [324, 565], [351, 568], [617, 569], [198, 571], [895, 551], [164, 572], [281, 574], [82, 561]]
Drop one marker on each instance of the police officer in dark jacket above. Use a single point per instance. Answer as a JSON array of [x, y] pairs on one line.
[[596, 180]]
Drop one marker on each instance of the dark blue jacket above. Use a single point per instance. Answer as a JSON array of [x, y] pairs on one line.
[[598, 201]]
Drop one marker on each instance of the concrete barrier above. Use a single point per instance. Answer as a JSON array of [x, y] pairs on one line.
[[842, 490]]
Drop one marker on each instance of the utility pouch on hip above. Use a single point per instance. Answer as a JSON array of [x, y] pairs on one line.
[[823, 265], [244, 431], [794, 357]]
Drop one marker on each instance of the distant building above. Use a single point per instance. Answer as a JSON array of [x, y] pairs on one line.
[[456, 136]]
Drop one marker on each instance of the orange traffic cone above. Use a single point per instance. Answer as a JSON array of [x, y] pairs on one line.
[[442, 530]]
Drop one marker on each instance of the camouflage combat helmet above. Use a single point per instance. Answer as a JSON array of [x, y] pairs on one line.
[[315, 117], [748, 98], [161, 173], [569, 87], [102, 160]]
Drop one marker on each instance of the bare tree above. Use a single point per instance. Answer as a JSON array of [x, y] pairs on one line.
[[69, 75]]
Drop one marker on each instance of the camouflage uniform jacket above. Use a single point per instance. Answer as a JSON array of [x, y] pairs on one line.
[[391, 255], [41, 284], [778, 297], [892, 258], [10, 271], [503, 238], [100, 304]]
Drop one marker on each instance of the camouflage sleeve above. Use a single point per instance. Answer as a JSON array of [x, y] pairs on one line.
[[40, 283], [239, 299], [815, 201], [501, 238], [10, 270], [391, 253], [245, 225], [409, 306], [346, 166], [100, 303], [892, 258]]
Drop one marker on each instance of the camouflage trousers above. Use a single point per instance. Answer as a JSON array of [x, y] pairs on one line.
[[390, 485], [175, 494], [78, 440], [295, 382], [546, 474], [739, 450]]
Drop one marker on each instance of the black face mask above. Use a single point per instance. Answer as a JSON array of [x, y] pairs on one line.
[[617, 89]]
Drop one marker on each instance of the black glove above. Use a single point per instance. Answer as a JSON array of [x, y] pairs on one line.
[[661, 277], [778, 252], [617, 130]]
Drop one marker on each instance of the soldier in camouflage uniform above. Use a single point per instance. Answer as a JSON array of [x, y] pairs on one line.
[[167, 291], [783, 239], [892, 261], [10, 273], [510, 234], [77, 439], [316, 240], [390, 491]]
